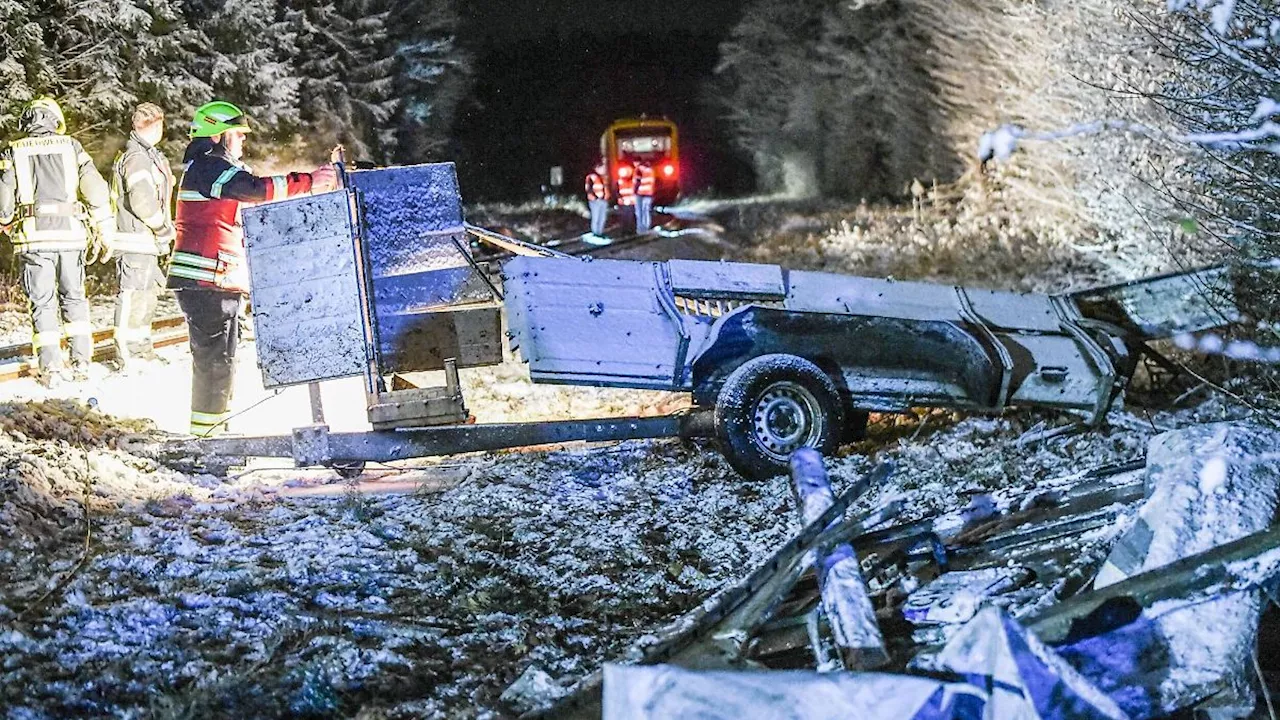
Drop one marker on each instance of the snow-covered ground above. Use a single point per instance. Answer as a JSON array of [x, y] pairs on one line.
[[263, 596], [425, 589]]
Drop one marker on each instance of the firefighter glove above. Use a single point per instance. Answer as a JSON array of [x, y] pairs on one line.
[[164, 239], [100, 244]]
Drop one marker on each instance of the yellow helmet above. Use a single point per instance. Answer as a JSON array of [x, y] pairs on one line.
[[48, 103]]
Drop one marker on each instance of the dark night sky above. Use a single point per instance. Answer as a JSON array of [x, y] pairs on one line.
[[551, 75]]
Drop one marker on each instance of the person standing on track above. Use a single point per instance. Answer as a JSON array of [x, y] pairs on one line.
[[209, 273], [598, 198], [142, 194], [646, 184], [57, 206]]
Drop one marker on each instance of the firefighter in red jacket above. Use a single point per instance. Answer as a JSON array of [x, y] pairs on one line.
[[646, 184], [208, 273], [598, 198]]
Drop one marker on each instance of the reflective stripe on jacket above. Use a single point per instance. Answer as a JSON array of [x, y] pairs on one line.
[[645, 181], [141, 193], [49, 186], [209, 250], [627, 190], [596, 188]]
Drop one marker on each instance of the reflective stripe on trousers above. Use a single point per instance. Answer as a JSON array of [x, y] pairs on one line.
[[54, 285], [214, 328], [141, 278]]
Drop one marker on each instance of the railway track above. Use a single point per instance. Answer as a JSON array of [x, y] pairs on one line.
[[18, 360]]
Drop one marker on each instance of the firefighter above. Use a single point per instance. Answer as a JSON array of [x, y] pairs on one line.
[[646, 183], [49, 188], [208, 272], [141, 193], [598, 198]]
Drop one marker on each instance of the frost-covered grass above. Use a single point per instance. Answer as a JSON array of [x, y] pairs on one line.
[[949, 238], [202, 598]]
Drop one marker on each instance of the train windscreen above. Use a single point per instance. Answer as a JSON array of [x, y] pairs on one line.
[[646, 146]]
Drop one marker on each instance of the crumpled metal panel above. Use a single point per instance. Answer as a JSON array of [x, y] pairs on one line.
[[306, 299], [829, 292], [411, 226], [1164, 306]]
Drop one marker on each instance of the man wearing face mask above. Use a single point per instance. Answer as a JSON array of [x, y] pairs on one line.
[[142, 195], [209, 273]]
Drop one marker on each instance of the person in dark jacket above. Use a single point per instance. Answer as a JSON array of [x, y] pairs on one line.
[[142, 194], [49, 188], [208, 272]]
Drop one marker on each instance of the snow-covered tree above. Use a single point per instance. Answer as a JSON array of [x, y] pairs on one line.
[[99, 58], [433, 76], [833, 97]]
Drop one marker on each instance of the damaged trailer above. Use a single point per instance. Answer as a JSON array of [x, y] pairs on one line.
[[789, 359], [376, 279]]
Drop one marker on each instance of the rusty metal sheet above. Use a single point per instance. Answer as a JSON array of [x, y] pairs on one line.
[[1166, 305], [424, 340], [747, 281], [306, 300]]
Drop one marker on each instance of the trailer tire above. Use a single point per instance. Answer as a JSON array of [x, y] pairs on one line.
[[771, 406], [348, 469]]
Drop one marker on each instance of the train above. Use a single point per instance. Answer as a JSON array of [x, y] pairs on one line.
[[655, 140]]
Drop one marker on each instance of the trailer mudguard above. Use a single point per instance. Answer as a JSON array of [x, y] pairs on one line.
[[882, 364]]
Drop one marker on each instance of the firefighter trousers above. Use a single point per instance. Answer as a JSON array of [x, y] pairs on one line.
[[213, 321], [141, 278], [54, 284]]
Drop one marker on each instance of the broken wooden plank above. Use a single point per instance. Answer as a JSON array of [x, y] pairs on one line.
[[846, 602]]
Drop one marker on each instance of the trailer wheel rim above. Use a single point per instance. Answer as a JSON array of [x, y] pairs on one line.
[[786, 417]]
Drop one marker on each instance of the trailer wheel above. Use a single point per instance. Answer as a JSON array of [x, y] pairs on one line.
[[347, 469], [771, 406]]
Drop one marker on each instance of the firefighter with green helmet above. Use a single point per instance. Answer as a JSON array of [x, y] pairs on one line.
[[57, 208], [208, 272]]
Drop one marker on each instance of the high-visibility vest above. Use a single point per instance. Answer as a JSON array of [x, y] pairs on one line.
[[645, 182], [209, 249], [627, 189], [43, 178], [596, 188]]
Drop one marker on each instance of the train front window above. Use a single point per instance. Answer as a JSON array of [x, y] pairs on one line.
[[644, 146]]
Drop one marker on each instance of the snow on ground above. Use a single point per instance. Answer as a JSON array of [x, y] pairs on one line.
[[201, 597], [279, 592]]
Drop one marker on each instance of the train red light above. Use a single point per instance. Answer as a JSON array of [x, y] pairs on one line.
[[668, 169], [624, 171]]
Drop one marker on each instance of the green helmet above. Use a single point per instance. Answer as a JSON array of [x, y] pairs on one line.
[[48, 103], [217, 117]]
